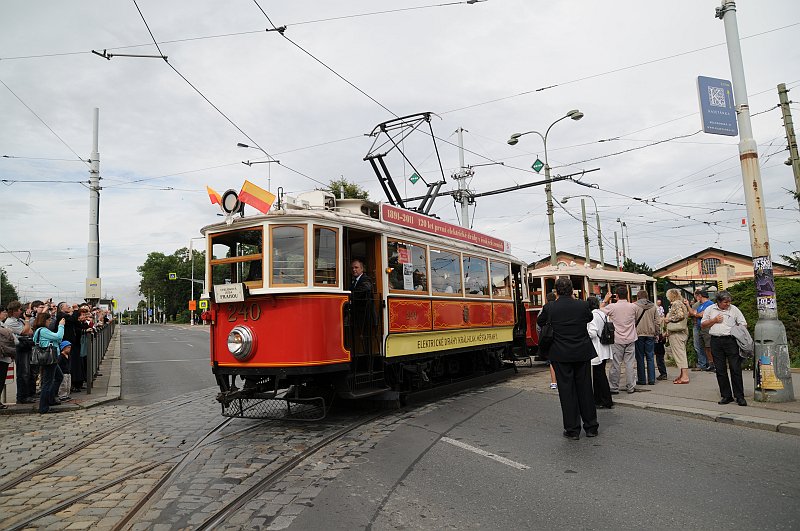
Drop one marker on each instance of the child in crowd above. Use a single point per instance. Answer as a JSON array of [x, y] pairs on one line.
[[63, 362]]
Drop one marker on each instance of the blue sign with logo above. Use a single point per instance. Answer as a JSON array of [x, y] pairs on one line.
[[716, 106]]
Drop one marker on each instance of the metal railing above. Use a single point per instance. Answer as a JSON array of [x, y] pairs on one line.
[[96, 343]]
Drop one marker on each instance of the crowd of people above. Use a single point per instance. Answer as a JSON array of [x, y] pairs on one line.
[[643, 333], [63, 327]]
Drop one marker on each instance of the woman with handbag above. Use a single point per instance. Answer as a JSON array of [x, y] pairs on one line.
[[677, 333], [45, 343], [602, 391]]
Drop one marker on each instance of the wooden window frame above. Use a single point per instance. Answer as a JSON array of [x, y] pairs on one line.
[[272, 228], [427, 268], [491, 285], [336, 258], [237, 259], [488, 277], [459, 293]]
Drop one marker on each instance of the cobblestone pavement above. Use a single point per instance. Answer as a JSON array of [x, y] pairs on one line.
[[221, 468]]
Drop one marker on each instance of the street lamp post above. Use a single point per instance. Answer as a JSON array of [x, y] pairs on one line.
[[597, 218], [191, 259], [575, 114]]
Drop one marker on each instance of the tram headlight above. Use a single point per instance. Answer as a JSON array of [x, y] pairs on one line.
[[241, 342]]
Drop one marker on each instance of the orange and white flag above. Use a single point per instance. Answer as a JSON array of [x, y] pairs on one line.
[[214, 196], [256, 197]]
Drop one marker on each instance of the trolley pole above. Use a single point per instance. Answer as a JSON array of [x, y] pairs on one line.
[[794, 158], [773, 379]]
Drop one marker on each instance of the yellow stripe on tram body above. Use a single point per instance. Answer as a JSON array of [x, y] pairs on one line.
[[418, 343]]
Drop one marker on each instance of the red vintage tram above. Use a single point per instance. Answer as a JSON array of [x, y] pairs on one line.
[[448, 302]]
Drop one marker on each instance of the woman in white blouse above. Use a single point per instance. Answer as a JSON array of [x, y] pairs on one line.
[[602, 391]]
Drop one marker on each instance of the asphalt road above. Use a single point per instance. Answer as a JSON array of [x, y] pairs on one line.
[[497, 460], [160, 362]]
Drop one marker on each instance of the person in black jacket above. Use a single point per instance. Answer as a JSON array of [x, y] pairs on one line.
[[570, 354], [362, 307]]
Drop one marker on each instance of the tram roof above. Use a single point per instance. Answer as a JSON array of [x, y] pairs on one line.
[[591, 274], [348, 216]]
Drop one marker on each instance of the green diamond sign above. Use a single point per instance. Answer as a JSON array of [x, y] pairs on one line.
[[414, 178], [537, 166]]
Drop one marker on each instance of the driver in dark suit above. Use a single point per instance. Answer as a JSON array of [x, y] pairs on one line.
[[570, 355], [362, 308]]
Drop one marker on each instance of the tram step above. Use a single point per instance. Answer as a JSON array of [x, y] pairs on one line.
[[364, 392]]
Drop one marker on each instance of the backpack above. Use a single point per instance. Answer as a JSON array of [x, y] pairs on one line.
[[607, 334]]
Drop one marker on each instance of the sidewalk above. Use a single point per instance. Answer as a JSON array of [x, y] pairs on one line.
[[105, 388], [698, 399]]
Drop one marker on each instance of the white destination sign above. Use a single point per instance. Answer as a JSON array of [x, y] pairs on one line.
[[228, 293]]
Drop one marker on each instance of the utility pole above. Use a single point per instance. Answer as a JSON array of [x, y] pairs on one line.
[[773, 377], [191, 258], [794, 158], [627, 238], [93, 288], [585, 230], [463, 195], [599, 236], [616, 250]]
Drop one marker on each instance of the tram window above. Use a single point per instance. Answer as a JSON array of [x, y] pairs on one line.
[[236, 256], [408, 266], [288, 264], [501, 279], [476, 275], [445, 272], [325, 256]]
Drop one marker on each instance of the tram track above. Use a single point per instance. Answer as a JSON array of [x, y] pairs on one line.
[[184, 456], [231, 508], [97, 438], [168, 476]]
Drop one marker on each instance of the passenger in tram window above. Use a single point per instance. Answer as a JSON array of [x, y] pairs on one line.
[[420, 281], [570, 354]]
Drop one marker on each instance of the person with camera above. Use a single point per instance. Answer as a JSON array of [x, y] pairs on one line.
[[51, 374], [20, 327], [623, 315]]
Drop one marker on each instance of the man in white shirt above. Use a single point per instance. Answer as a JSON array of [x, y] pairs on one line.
[[718, 320]]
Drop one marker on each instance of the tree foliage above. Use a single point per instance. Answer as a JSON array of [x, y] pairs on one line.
[[171, 295], [787, 291], [7, 292], [351, 190], [792, 260], [632, 267]]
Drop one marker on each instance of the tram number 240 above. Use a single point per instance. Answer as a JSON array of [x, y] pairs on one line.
[[249, 311]]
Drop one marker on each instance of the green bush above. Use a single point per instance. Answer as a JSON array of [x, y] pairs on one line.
[[787, 290]]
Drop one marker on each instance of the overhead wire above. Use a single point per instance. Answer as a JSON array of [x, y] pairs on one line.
[[614, 71], [282, 32], [44, 123], [255, 143]]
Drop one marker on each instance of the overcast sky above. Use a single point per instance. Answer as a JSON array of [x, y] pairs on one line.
[[629, 66]]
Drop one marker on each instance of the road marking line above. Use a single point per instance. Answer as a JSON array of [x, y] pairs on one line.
[[484, 453], [165, 361]]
